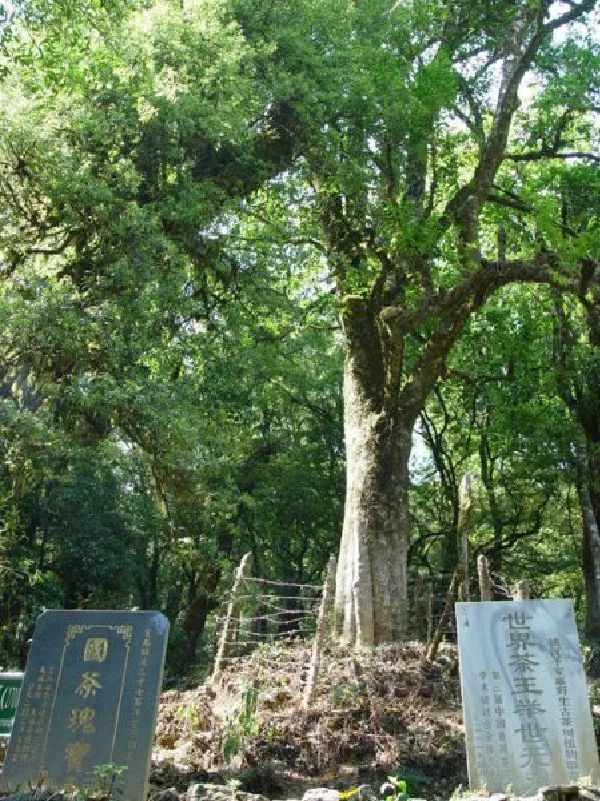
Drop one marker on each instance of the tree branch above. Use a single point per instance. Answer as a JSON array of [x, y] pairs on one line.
[[475, 120], [509, 202], [577, 11], [518, 57], [546, 153], [456, 308]]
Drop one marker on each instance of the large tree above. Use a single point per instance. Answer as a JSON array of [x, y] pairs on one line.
[[426, 138]]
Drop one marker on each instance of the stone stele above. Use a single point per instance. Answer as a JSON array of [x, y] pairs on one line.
[[526, 710], [88, 703]]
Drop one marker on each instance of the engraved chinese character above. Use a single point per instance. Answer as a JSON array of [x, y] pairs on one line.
[[534, 754], [517, 620], [525, 684], [529, 707], [523, 663], [75, 753], [89, 684], [96, 649], [554, 647], [519, 639], [531, 732], [82, 720]]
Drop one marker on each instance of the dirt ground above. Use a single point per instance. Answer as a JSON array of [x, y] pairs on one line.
[[374, 713]]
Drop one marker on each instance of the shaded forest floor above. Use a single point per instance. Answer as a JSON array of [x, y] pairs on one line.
[[374, 713]]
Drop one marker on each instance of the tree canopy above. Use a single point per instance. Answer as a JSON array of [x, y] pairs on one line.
[[210, 211]]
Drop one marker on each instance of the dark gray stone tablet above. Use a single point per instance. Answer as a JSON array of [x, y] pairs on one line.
[[88, 703]]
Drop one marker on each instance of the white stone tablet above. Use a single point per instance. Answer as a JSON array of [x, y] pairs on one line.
[[526, 710]]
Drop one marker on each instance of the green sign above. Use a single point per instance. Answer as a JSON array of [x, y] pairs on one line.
[[10, 689]]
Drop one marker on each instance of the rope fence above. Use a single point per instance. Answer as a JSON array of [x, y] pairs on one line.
[[261, 612]]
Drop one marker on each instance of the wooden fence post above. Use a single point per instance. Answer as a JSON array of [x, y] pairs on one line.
[[231, 616], [451, 597], [324, 623], [521, 591], [485, 581], [465, 503], [419, 607]]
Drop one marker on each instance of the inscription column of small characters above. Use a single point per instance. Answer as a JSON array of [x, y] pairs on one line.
[[526, 701], [483, 729], [564, 704], [23, 752], [35, 711], [499, 716], [81, 718], [138, 695], [43, 692]]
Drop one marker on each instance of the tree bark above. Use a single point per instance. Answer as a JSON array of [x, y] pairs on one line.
[[485, 582], [371, 592], [381, 405], [462, 536], [590, 556], [588, 411], [487, 477]]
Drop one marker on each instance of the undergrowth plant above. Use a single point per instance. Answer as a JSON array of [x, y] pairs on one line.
[[190, 714], [396, 788], [399, 789], [245, 724], [106, 777]]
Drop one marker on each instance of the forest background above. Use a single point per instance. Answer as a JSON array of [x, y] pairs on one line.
[[199, 201]]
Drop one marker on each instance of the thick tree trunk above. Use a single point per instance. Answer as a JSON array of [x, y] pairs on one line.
[[371, 591]]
